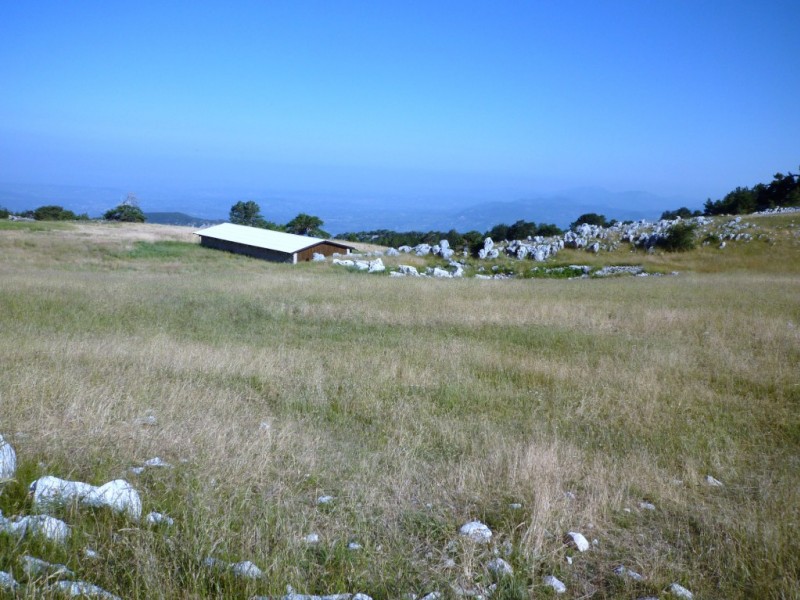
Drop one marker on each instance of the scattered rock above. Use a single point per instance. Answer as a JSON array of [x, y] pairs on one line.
[[118, 495], [354, 546], [624, 572], [312, 538], [292, 595], [157, 462], [7, 582], [376, 266], [247, 569], [146, 421], [408, 270], [34, 567], [156, 518], [647, 506], [81, 588], [325, 499], [713, 482], [557, 585], [8, 460], [577, 540], [475, 530], [317, 257], [43, 525], [515, 506], [681, 592], [499, 567]]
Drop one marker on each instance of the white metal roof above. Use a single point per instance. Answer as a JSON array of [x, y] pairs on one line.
[[261, 238]]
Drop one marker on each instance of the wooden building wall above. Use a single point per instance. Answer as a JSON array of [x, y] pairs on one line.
[[262, 253], [324, 248]]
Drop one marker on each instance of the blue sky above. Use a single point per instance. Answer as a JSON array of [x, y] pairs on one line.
[[424, 99]]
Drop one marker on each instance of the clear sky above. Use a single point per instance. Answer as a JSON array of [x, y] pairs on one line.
[[410, 97]]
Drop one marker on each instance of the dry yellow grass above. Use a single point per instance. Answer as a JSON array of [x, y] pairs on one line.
[[419, 405]]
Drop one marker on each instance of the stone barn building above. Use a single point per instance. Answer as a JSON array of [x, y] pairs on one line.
[[266, 244]]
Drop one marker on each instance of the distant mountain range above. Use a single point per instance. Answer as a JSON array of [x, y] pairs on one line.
[[342, 213]]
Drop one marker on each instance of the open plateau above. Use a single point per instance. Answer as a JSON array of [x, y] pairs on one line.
[[182, 422]]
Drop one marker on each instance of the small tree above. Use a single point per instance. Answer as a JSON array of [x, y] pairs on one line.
[[246, 213], [127, 211], [304, 224]]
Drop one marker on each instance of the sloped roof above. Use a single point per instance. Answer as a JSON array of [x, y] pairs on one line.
[[263, 238]]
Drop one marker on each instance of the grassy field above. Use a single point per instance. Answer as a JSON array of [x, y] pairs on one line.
[[418, 404]]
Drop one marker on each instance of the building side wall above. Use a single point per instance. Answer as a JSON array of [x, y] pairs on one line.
[[324, 249], [262, 253]]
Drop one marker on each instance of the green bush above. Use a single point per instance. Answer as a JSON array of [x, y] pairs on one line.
[[679, 238], [126, 213], [53, 213]]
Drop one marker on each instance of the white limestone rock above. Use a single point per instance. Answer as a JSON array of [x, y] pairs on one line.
[[392, 252], [7, 582], [376, 266], [408, 270], [440, 273], [45, 526], [681, 592], [157, 518], [146, 421], [647, 506], [317, 257], [247, 570], [713, 482], [156, 462], [34, 567], [625, 572], [81, 589], [475, 530], [312, 538], [499, 567], [8, 460], [343, 262], [555, 583], [119, 496], [578, 540], [48, 491], [325, 499]]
